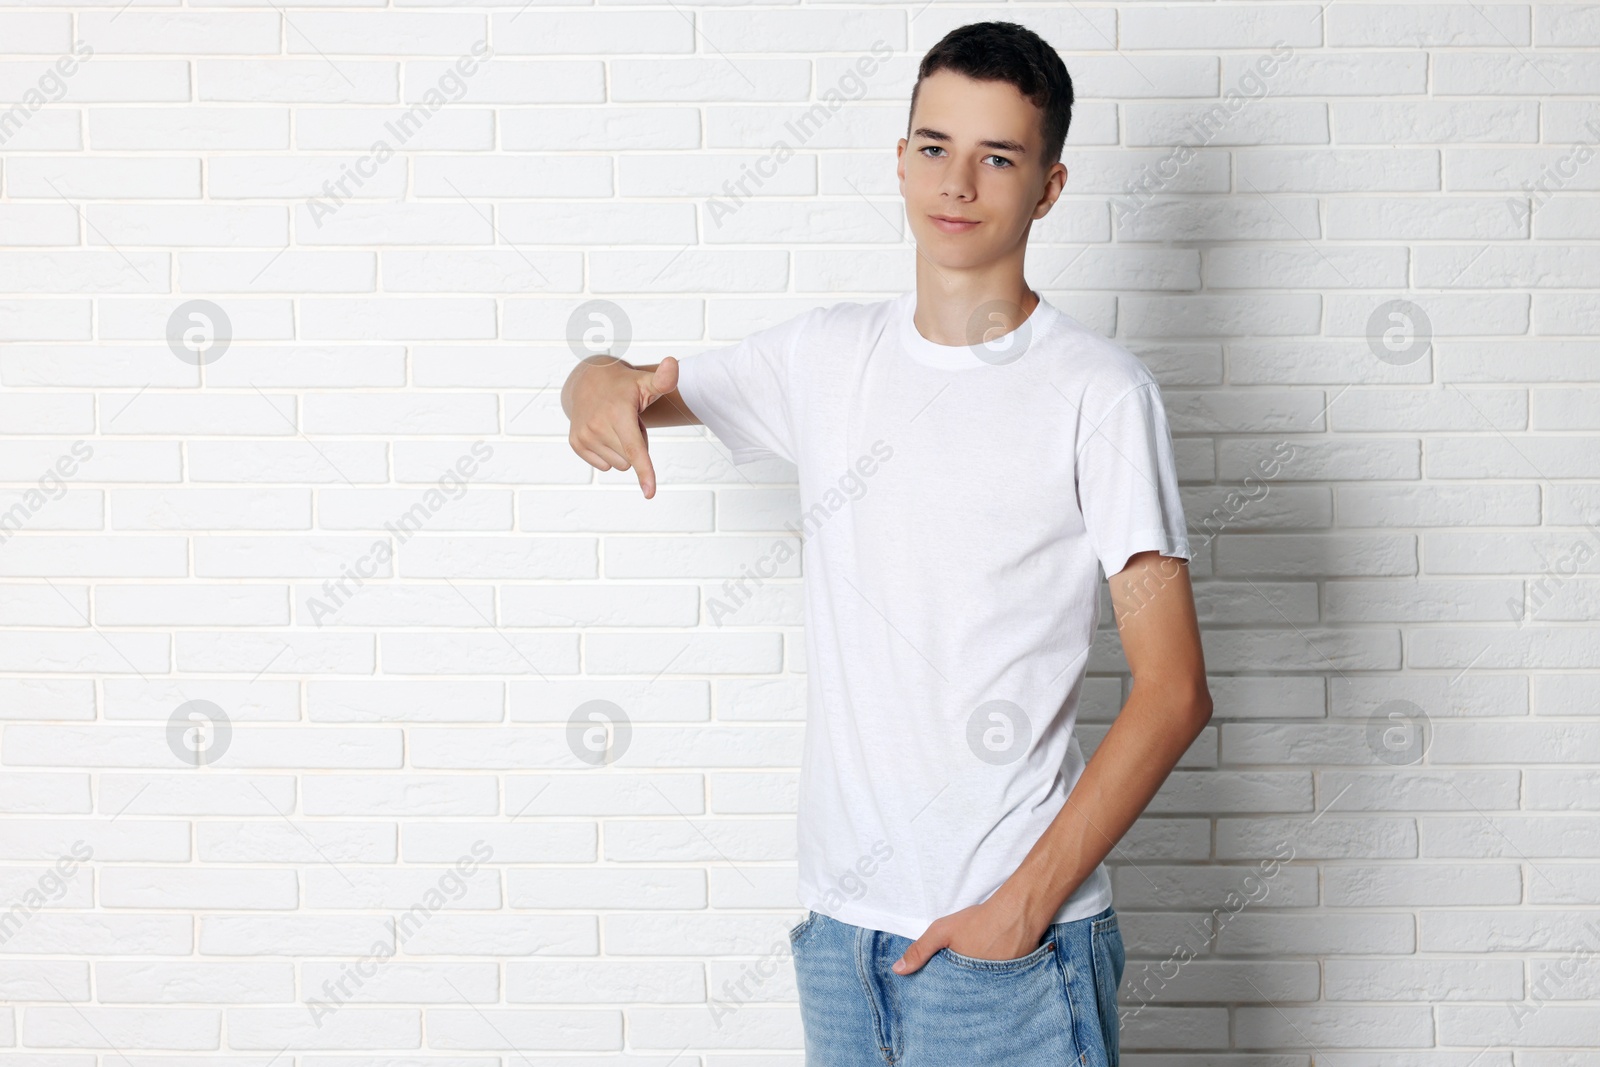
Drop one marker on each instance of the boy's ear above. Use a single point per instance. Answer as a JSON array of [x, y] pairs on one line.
[[1052, 191]]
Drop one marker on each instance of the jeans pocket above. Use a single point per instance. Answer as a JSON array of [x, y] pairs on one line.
[[799, 929], [1109, 960], [1020, 963]]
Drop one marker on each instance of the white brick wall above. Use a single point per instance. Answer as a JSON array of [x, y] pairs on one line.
[[359, 531]]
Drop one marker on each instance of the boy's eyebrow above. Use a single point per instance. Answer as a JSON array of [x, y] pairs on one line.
[[938, 135]]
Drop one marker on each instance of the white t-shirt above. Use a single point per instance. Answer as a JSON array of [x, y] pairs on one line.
[[957, 506]]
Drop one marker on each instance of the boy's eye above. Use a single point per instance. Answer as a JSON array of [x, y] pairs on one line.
[[1004, 162]]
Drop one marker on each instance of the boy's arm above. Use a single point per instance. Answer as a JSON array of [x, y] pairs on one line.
[[670, 409], [609, 403], [1166, 710]]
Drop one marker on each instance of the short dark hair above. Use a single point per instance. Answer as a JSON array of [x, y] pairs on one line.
[[1008, 52]]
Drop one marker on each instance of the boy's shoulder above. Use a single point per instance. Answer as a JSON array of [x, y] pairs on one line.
[[843, 314], [841, 328], [1091, 358], [853, 312]]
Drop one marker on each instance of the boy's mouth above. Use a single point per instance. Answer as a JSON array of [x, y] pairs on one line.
[[953, 223]]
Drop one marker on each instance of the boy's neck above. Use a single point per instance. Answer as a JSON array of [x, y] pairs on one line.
[[966, 307]]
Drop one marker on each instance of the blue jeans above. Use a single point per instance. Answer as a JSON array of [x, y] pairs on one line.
[[1054, 1007]]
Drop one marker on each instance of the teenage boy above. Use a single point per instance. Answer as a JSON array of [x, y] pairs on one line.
[[969, 458]]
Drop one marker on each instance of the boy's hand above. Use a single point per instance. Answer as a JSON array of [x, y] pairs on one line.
[[997, 929], [604, 398]]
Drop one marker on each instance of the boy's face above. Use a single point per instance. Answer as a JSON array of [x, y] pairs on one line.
[[974, 154]]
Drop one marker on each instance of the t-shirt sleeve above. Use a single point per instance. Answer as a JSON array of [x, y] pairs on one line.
[[743, 392], [1128, 482]]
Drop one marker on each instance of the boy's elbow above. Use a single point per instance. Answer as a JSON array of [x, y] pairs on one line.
[[1179, 696], [1192, 699]]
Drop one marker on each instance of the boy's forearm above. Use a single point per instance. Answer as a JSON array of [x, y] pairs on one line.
[[1140, 750]]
